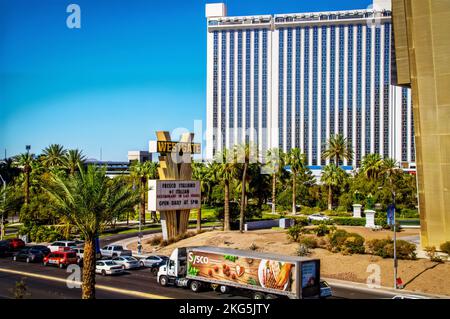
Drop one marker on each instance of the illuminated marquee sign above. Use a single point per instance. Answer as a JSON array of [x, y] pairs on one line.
[[174, 147], [173, 195]]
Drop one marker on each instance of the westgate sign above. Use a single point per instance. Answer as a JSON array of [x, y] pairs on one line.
[[173, 195], [174, 147]]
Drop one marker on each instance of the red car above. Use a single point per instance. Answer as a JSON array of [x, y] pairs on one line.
[[61, 258], [16, 243]]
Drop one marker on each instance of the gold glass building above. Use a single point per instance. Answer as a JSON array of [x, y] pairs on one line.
[[422, 50]]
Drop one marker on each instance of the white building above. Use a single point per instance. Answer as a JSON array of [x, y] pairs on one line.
[[293, 80]]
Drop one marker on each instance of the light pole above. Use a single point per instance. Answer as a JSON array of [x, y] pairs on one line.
[[395, 240]]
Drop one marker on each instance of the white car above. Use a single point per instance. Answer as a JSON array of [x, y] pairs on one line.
[[107, 267], [127, 262], [318, 217], [61, 244], [149, 261]]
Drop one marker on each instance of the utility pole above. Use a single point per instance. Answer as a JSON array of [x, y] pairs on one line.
[[395, 242], [3, 209]]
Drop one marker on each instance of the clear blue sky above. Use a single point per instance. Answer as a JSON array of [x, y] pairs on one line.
[[134, 67]]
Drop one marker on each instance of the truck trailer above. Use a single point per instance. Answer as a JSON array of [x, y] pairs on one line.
[[264, 275]]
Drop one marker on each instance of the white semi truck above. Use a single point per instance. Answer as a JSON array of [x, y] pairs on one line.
[[264, 275]]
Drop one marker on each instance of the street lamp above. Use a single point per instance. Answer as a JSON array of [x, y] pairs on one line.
[[4, 205]]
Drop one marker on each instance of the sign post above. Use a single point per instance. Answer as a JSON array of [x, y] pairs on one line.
[[175, 194]]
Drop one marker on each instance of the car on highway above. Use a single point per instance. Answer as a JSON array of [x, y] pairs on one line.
[[108, 267], [61, 258], [80, 254], [57, 245], [29, 254], [5, 249], [149, 261], [114, 251], [325, 289], [16, 243], [155, 267], [127, 262], [44, 249], [318, 217]]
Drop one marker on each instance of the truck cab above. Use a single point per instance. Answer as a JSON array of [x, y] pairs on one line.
[[175, 268]]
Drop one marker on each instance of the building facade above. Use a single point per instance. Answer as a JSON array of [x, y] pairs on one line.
[[294, 80]]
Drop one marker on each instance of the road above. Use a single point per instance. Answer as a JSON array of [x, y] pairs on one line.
[[50, 283]]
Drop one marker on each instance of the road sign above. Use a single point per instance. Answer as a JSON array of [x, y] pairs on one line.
[[390, 214], [173, 195]]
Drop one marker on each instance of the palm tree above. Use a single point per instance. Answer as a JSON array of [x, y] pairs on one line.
[[338, 148], [73, 159], [332, 176], [200, 173], [143, 171], [372, 166], [227, 172], [275, 163], [53, 156], [297, 162], [89, 199], [25, 163], [244, 154]]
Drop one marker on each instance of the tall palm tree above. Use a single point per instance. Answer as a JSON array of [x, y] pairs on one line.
[[53, 156], [89, 200], [372, 166], [332, 176], [338, 148], [227, 172], [244, 154], [275, 163], [73, 159], [142, 172], [297, 162], [25, 163]]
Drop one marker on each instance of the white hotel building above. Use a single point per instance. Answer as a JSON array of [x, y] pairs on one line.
[[293, 80]]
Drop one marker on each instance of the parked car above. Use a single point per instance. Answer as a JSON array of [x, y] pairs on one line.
[[108, 267], [44, 249], [114, 251], [61, 258], [29, 254], [58, 245], [16, 243], [325, 289], [127, 262], [80, 254], [5, 248], [318, 217], [151, 260]]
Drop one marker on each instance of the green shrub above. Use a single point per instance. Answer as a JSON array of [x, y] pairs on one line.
[[302, 250], [349, 221], [445, 247], [321, 230], [301, 220], [385, 248], [353, 244], [305, 210], [338, 238], [376, 247], [309, 242], [409, 213], [431, 253], [295, 231]]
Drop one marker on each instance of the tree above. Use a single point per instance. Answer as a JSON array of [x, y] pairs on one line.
[[227, 172], [143, 172], [25, 162], [338, 148], [73, 159], [89, 199], [332, 176], [200, 173], [297, 162], [372, 166], [275, 164], [54, 156]]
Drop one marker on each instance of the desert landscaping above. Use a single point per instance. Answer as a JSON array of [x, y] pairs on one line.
[[419, 275]]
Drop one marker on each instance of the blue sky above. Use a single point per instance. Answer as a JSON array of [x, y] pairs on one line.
[[134, 67]]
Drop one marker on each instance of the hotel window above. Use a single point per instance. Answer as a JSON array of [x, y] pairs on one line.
[[323, 118], [341, 83], [315, 94], [368, 89], [350, 86], [239, 86], [289, 91], [280, 87], [231, 89], [256, 86], [404, 124], [223, 87], [306, 121], [332, 78], [297, 87], [215, 97], [377, 89], [386, 86], [247, 84], [358, 95]]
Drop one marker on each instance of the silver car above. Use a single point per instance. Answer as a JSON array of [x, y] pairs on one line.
[[150, 261], [127, 262]]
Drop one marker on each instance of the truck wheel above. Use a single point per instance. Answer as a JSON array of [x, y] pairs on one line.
[[258, 295], [163, 281], [195, 286], [270, 296], [224, 289]]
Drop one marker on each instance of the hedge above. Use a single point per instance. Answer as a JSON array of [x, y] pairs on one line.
[[351, 221]]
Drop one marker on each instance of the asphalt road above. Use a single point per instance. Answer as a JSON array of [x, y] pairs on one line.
[[49, 283]]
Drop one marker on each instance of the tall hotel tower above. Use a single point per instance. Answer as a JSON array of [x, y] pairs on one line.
[[294, 80]]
